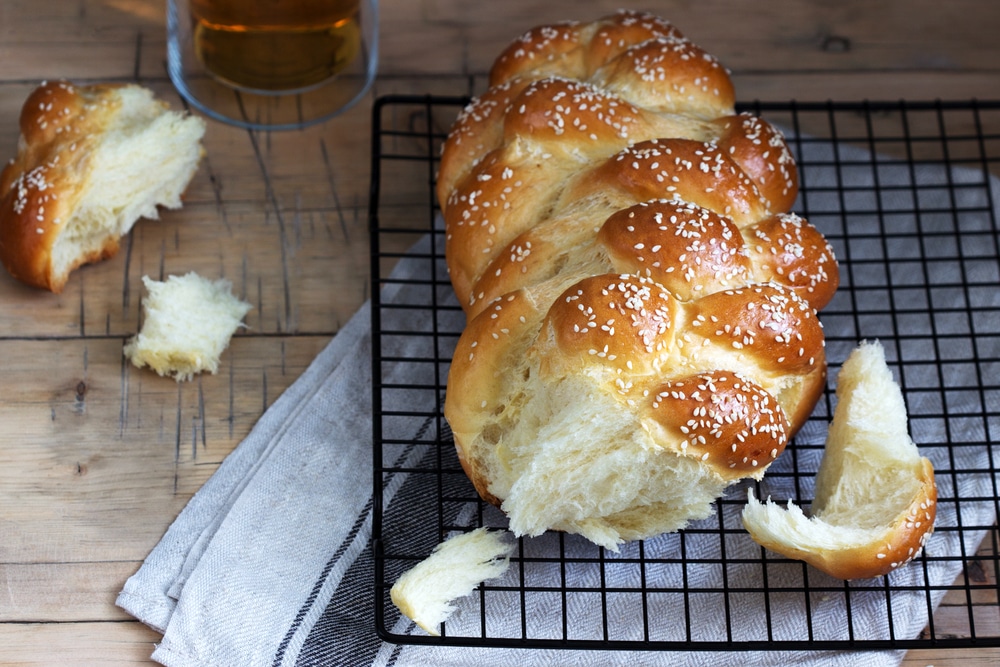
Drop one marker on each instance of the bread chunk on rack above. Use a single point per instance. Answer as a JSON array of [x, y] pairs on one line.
[[876, 498], [425, 592]]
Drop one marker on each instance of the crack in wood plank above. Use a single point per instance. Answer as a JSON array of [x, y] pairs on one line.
[[137, 65], [333, 189], [270, 195], [123, 395]]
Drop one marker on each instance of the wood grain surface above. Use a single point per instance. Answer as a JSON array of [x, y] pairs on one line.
[[97, 457]]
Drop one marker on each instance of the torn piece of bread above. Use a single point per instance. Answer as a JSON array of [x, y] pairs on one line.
[[188, 323], [91, 160], [875, 495], [453, 570]]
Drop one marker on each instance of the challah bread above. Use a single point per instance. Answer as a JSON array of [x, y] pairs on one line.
[[641, 304], [91, 161], [876, 498]]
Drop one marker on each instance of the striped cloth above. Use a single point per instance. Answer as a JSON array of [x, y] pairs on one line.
[[270, 563]]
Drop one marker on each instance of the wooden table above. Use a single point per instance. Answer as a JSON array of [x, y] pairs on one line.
[[97, 457]]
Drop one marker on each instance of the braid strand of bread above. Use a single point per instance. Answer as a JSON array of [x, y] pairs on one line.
[[641, 302]]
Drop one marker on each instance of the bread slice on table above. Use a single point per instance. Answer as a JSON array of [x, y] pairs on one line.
[[188, 323], [453, 570], [91, 160], [875, 495]]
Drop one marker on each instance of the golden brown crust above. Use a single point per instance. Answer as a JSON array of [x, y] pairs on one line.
[[637, 55], [638, 335], [578, 50], [875, 496], [799, 400], [786, 249], [41, 186], [503, 198], [620, 321], [541, 51], [687, 249], [904, 539], [618, 32], [898, 545], [692, 171], [670, 76], [761, 152], [502, 181], [779, 330], [724, 420], [477, 131], [515, 190]]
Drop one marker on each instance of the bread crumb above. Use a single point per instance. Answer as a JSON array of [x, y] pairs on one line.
[[453, 570], [188, 322]]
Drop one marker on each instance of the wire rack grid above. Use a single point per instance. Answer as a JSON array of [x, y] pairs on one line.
[[907, 194]]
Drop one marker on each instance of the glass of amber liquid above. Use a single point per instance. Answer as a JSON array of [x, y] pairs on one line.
[[272, 64]]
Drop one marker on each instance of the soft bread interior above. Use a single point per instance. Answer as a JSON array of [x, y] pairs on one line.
[[143, 159], [874, 492], [573, 458], [456, 566], [188, 323]]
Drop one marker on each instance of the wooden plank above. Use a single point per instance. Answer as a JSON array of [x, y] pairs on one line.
[[107, 454], [319, 167], [38, 592], [786, 35], [919, 86], [80, 22], [304, 197], [81, 644], [126, 38], [315, 168], [952, 621], [305, 273], [43, 39], [975, 657], [131, 643], [913, 86]]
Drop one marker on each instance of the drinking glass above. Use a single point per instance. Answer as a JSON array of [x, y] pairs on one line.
[[272, 64]]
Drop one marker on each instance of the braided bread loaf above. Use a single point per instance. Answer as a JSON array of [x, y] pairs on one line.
[[641, 305]]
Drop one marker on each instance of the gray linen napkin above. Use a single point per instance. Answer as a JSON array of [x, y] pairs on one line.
[[270, 563]]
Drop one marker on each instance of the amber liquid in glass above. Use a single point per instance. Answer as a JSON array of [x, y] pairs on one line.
[[276, 45]]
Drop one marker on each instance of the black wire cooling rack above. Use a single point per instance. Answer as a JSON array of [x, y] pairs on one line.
[[904, 193]]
